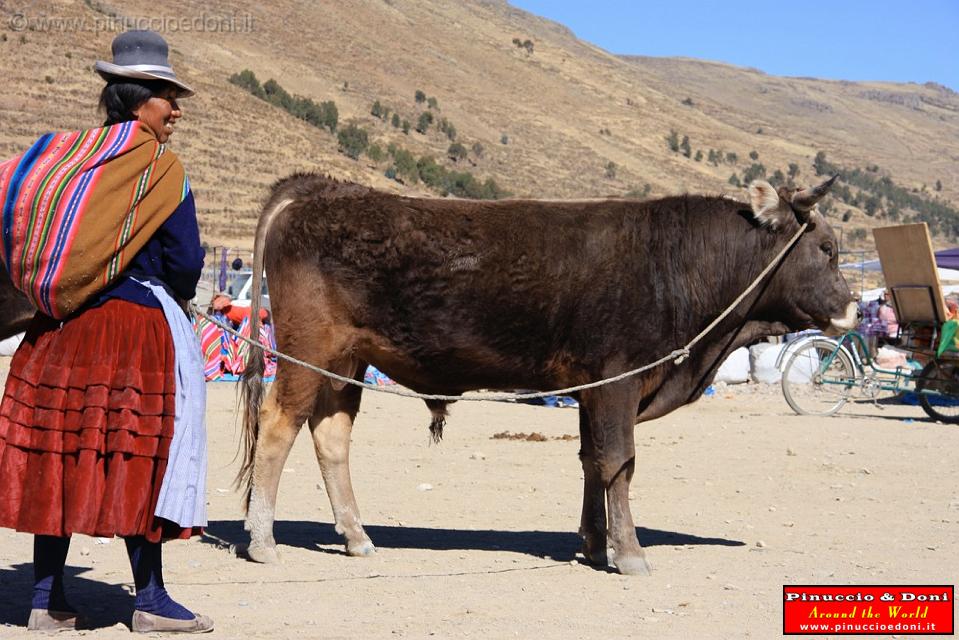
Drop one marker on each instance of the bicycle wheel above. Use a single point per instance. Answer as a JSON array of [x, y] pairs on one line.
[[817, 379], [943, 379]]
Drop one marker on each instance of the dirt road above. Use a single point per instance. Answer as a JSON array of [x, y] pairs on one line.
[[734, 496]]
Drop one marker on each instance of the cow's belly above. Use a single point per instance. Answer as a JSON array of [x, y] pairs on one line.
[[455, 370]]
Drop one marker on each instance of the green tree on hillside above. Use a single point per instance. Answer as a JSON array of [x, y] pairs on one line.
[[635, 193], [419, 96], [822, 166], [277, 95], [406, 165], [330, 115], [426, 119], [445, 126], [353, 141], [375, 153], [246, 79], [672, 140], [684, 146], [456, 152], [430, 173], [754, 172]]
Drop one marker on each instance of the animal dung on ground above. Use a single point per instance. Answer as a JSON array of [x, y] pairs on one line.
[[536, 436]]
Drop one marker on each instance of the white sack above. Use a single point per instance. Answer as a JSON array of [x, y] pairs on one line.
[[9, 346], [735, 368], [762, 362]]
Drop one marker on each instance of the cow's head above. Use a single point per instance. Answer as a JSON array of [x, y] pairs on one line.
[[808, 289]]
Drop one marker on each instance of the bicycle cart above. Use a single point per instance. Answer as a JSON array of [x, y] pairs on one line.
[[821, 374]]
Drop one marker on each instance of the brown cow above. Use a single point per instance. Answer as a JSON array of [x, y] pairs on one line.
[[447, 296], [15, 310]]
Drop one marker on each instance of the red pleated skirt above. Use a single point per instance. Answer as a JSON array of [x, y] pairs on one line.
[[86, 423]]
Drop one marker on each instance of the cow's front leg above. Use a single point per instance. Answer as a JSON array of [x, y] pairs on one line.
[[592, 526], [628, 555], [611, 412], [331, 424]]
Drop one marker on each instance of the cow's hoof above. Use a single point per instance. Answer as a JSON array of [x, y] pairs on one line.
[[362, 549], [598, 557], [262, 553], [632, 565]]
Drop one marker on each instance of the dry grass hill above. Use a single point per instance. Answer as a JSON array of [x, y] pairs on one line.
[[560, 118]]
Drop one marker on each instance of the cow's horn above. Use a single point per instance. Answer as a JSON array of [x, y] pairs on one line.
[[806, 199]]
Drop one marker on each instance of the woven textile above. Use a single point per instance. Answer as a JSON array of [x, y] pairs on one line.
[[77, 206]]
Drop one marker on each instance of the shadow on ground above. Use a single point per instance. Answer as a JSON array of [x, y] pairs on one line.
[[555, 545], [104, 605]]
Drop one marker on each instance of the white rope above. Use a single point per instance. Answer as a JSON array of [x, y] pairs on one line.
[[677, 355]]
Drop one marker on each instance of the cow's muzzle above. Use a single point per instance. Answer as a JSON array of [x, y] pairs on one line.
[[845, 323]]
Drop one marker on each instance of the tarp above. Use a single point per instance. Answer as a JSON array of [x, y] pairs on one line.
[[945, 275], [947, 260]]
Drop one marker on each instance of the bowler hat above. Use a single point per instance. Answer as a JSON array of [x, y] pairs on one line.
[[142, 55]]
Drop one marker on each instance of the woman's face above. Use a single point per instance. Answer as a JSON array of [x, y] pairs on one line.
[[160, 112]]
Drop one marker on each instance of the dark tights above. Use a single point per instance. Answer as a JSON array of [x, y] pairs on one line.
[[146, 560], [49, 556]]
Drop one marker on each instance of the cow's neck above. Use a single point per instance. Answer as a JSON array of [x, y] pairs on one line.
[[677, 385]]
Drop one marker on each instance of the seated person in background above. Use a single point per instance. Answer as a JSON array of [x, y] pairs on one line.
[[888, 315], [870, 324], [222, 305], [952, 309]]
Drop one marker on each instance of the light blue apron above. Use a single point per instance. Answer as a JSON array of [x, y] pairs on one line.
[[183, 493]]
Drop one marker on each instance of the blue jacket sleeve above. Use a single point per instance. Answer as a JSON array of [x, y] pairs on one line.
[[182, 260]]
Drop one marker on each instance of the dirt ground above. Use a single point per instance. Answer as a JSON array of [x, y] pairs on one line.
[[734, 496]]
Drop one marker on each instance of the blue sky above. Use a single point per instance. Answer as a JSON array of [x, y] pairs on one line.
[[902, 41]]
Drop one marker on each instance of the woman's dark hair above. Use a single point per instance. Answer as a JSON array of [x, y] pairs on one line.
[[122, 95]]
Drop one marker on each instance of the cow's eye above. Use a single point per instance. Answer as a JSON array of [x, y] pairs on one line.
[[827, 249]]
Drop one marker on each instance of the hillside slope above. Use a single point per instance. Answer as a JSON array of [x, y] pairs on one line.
[[576, 120]]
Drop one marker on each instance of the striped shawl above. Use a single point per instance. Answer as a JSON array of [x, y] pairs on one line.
[[77, 206]]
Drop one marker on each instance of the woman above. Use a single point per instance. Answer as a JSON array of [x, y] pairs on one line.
[[101, 423], [887, 315]]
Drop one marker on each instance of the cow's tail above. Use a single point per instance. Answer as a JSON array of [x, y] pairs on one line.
[[252, 388]]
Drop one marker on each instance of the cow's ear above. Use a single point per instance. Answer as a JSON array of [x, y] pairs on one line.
[[766, 204]]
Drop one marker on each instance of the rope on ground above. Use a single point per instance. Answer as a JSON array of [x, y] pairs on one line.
[[677, 355]]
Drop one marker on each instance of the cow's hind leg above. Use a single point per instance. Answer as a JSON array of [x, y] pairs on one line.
[[611, 413], [332, 424], [289, 403]]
